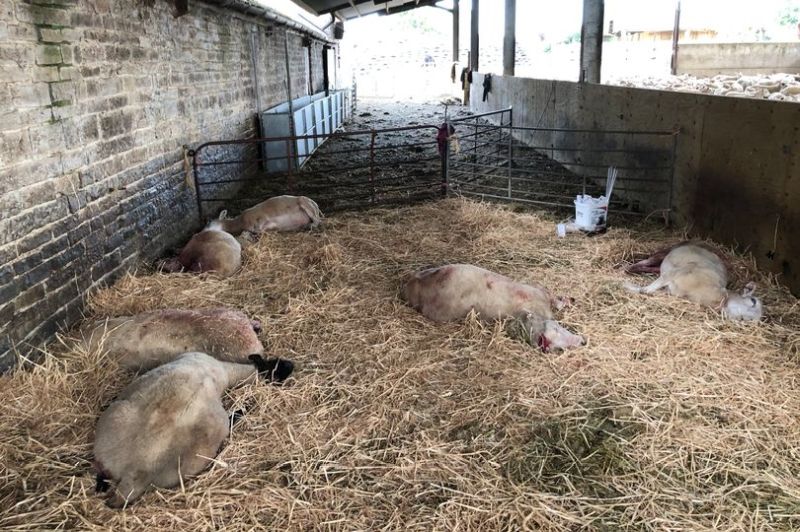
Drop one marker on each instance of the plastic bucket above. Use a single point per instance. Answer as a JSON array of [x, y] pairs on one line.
[[591, 213]]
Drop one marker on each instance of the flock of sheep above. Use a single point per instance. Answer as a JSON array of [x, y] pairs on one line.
[[169, 423], [777, 87]]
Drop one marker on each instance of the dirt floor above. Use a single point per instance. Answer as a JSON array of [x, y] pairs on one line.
[[669, 419], [354, 170]]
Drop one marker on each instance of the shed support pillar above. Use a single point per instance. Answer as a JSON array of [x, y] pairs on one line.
[[473, 35], [455, 31], [510, 38], [591, 41]]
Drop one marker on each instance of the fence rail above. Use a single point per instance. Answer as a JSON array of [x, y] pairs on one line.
[[486, 157], [550, 166]]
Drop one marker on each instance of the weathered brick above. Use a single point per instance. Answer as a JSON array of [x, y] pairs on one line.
[[48, 54], [11, 71], [9, 291], [45, 74], [62, 91], [115, 124], [42, 15], [51, 36], [29, 94], [29, 297], [20, 54], [66, 73], [14, 146], [67, 55]]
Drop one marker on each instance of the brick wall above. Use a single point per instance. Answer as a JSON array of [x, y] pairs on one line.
[[97, 98]]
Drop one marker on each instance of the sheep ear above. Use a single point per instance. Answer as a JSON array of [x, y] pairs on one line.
[[749, 288], [223, 214]]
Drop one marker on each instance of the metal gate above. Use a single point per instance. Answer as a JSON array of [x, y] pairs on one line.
[[351, 170], [551, 166], [488, 157]]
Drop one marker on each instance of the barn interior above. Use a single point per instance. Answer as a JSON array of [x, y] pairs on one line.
[[126, 127]]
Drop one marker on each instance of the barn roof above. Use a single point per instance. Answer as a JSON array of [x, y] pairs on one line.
[[348, 9], [258, 9]]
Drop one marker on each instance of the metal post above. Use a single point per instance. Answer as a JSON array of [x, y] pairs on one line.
[[372, 164], [455, 31], [473, 35], [193, 155], [672, 175], [591, 41], [510, 38], [475, 149], [466, 80], [254, 56], [676, 33], [290, 153], [510, 159], [445, 165], [289, 148]]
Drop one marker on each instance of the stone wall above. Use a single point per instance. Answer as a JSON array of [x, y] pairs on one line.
[[97, 99], [737, 166]]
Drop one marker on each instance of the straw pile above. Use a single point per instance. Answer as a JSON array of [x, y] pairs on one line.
[[670, 418]]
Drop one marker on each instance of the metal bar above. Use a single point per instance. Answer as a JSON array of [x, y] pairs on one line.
[[672, 174], [580, 165], [592, 150], [372, 163], [197, 187], [617, 211], [337, 134], [480, 115], [567, 183], [510, 144], [663, 133]]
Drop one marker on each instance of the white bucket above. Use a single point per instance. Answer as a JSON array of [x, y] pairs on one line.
[[591, 213]]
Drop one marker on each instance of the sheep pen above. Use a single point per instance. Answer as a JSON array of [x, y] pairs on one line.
[[669, 419]]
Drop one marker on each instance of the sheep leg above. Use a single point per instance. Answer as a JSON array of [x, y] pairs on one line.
[[129, 489], [655, 286]]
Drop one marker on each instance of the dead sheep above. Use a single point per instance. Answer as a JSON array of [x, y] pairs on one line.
[[146, 340], [281, 213], [697, 274], [450, 292], [211, 250], [169, 424]]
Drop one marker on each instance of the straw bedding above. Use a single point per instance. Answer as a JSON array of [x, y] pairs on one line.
[[670, 418]]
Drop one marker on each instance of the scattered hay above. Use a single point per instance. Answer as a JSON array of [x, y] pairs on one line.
[[669, 419]]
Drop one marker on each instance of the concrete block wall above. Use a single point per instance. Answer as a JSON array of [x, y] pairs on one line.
[[97, 98], [737, 168]]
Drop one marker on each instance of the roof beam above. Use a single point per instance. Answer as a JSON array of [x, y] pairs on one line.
[[407, 7]]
